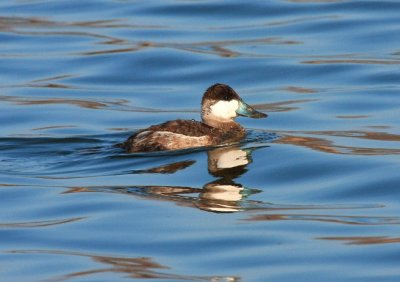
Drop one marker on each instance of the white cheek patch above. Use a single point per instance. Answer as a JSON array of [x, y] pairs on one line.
[[225, 109]]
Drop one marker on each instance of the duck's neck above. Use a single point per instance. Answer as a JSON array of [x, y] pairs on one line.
[[224, 125]]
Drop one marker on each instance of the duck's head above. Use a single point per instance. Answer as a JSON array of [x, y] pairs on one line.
[[221, 104]]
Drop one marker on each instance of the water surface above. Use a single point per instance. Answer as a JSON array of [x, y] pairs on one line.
[[310, 195]]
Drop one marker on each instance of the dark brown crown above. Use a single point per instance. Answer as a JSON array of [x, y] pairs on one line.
[[220, 91]]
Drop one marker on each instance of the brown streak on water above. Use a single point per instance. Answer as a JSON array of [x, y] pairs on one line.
[[132, 267], [367, 240]]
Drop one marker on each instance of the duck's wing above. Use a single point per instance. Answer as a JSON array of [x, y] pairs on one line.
[[190, 128], [171, 135]]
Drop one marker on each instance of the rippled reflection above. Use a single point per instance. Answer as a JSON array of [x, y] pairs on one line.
[[321, 201], [301, 90], [94, 104], [43, 223], [353, 61], [325, 144], [97, 29], [226, 195], [283, 106], [136, 267], [364, 240], [316, 1], [327, 218], [220, 195]]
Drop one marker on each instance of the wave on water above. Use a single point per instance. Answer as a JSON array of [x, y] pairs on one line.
[[75, 155]]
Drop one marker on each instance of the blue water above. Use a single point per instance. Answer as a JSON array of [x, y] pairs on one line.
[[312, 194]]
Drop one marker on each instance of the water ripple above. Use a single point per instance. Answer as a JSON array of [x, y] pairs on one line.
[[43, 223], [320, 173], [132, 267]]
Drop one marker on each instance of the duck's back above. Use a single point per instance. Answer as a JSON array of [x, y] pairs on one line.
[[173, 135]]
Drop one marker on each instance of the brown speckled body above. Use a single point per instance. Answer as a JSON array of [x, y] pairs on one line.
[[182, 134]]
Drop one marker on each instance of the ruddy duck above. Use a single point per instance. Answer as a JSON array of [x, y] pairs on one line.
[[219, 107]]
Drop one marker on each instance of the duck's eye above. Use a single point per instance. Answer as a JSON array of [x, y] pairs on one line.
[[226, 98]]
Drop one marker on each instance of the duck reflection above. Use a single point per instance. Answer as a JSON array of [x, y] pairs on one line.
[[224, 194], [221, 195]]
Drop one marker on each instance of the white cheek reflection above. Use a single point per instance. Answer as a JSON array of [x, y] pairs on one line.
[[225, 109], [232, 158], [229, 193]]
